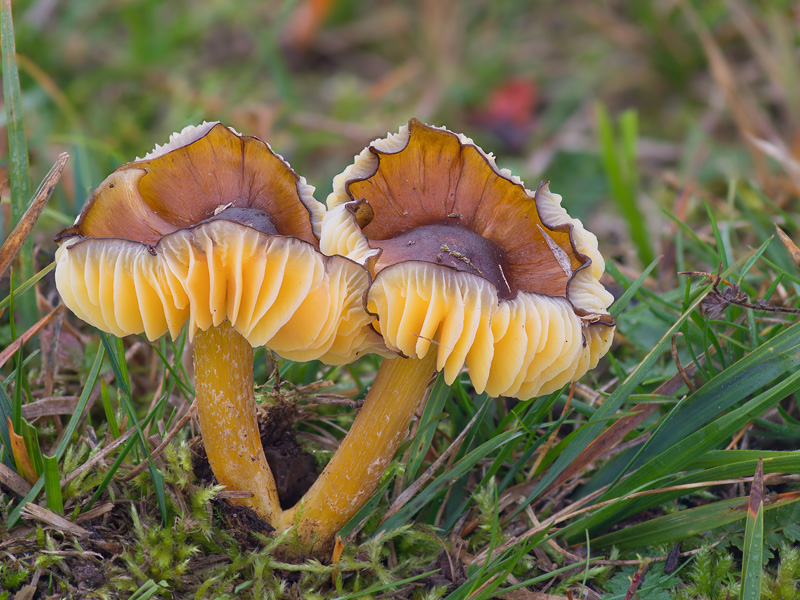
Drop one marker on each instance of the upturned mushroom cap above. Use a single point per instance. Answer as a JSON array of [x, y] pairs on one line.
[[495, 276], [213, 226]]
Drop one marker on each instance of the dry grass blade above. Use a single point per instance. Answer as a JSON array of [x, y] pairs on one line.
[[23, 229], [48, 407], [11, 349], [34, 512], [94, 512], [756, 491], [789, 245], [13, 481], [778, 151]]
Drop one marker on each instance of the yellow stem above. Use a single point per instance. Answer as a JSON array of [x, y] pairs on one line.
[[354, 472], [226, 408]]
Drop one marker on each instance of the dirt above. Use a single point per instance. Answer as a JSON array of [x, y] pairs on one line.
[[294, 469]]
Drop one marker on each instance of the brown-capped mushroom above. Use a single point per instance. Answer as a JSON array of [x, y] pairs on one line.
[[470, 269], [216, 232]]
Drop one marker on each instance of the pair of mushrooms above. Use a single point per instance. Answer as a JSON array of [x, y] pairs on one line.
[[427, 253]]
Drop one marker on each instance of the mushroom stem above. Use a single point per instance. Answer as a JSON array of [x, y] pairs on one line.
[[354, 472], [226, 408]]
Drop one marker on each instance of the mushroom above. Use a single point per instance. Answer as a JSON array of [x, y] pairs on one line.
[[215, 231], [470, 268]]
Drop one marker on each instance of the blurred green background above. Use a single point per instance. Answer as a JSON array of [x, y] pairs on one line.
[[318, 79]]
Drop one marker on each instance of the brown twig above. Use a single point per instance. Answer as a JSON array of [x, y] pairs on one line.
[[678, 364]]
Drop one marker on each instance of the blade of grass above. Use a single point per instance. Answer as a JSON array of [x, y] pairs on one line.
[[427, 429], [14, 516], [121, 374], [447, 478], [753, 548], [31, 438], [387, 586], [676, 457], [108, 410], [22, 457], [686, 523], [52, 485], [19, 174], [768, 363], [112, 470], [27, 285], [619, 161], [5, 418], [621, 302]]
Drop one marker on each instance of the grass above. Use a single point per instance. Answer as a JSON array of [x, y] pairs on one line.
[[671, 471]]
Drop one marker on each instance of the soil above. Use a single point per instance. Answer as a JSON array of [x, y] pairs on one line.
[[294, 469]]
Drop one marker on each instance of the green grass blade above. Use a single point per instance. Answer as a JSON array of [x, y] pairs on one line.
[[427, 428], [27, 285], [619, 161], [447, 478], [621, 302], [5, 414], [14, 516], [753, 548], [756, 370], [149, 589], [108, 410], [387, 586], [31, 438], [120, 372], [681, 525], [675, 458], [19, 174], [52, 485], [112, 470], [722, 255]]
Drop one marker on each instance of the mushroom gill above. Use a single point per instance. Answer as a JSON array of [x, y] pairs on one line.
[[215, 231], [470, 268]]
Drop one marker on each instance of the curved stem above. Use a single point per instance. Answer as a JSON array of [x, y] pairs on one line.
[[226, 408], [354, 472]]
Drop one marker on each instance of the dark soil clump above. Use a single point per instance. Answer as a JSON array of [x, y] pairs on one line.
[[294, 469]]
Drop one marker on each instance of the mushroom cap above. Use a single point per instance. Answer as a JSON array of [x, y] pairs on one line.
[[214, 226], [469, 262]]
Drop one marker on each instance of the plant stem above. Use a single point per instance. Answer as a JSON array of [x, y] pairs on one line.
[[226, 408], [354, 472]]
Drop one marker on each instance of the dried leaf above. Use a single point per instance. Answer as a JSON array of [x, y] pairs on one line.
[[756, 491], [21, 456]]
